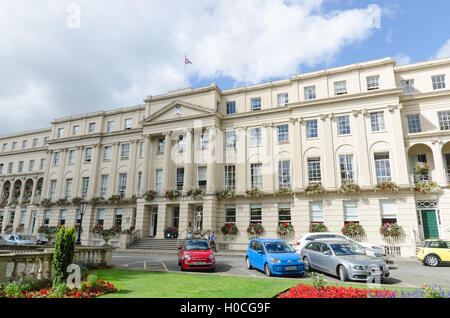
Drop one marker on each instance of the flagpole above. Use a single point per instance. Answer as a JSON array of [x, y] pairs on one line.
[[185, 70]]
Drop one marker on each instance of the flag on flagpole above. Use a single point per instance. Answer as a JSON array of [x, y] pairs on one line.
[[187, 61]]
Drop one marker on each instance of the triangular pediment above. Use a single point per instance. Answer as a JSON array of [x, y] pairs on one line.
[[177, 110]]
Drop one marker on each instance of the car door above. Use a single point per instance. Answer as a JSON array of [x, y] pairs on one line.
[[445, 251], [313, 255], [327, 260], [251, 253], [260, 256]]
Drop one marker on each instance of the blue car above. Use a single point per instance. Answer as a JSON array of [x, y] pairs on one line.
[[274, 257]]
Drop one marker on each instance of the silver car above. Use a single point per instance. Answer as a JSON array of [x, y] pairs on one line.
[[19, 240], [344, 259]]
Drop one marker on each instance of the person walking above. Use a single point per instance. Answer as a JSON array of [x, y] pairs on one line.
[[212, 240]]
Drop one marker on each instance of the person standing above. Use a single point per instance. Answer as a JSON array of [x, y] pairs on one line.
[[212, 240]]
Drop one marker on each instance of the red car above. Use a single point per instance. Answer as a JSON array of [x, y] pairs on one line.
[[196, 254]]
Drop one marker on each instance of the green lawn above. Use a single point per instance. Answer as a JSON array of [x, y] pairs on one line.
[[145, 284]]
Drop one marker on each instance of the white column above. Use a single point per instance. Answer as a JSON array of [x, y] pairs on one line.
[[96, 153], [362, 161], [211, 170], [77, 173], [167, 162], [241, 161], [328, 160], [148, 159], [269, 163], [132, 169], [188, 181], [398, 147], [297, 151], [438, 175]]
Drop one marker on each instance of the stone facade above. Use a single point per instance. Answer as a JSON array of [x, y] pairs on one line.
[[363, 123]]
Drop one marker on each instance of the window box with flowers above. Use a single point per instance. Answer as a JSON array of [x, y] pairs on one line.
[[46, 203], [427, 187], [229, 230], [226, 194], [353, 230], [8, 229], [23, 204], [20, 228], [285, 230], [349, 188], [285, 191], [254, 193], [172, 194], [391, 231], [77, 201], [49, 231], [317, 227], [62, 202], [97, 201], [171, 232], [114, 199], [314, 189], [150, 195], [387, 187], [255, 230], [14, 203], [196, 194], [422, 167]]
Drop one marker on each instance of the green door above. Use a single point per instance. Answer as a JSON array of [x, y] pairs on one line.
[[430, 225]]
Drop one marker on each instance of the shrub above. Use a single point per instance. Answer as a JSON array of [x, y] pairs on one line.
[[63, 255]]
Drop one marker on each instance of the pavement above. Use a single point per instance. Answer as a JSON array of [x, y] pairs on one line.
[[405, 272]]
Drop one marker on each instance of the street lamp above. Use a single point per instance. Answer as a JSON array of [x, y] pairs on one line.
[[83, 205]]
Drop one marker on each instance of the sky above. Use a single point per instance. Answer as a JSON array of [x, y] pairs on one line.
[[60, 58]]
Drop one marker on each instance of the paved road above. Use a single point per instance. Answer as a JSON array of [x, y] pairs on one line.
[[403, 273]]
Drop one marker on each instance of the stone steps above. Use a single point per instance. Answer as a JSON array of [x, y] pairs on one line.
[[156, 244]]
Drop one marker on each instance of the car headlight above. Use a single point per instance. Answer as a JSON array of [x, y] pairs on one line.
[[300, 260], [211, 256], [274, 260], [358, 267], [187, 257]]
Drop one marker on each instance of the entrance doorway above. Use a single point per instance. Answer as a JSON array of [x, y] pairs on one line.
[[429, 224], [154, 221]]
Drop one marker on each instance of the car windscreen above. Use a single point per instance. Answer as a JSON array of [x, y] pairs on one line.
[[346, 249], [278, 247], [23, 237], [196, 245]]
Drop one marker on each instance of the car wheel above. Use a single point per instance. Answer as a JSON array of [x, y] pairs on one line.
[[267, 270], [343, 276], [307, 263], [249, 266], [432, 260]]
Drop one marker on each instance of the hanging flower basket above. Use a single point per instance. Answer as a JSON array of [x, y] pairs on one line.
[[391, 231], [317, 227], [171, 232], [229, 229], [314, 189], [422, 167], [254, 230], [114, 199], [77, 201], [349, 188], [387, 186], [97, 201], [46, 203], [62, 202], [226, 194], [196, 194], [353, 230], [254, 193], [427, 187], [285, 230], [172, 194], [150, 195]]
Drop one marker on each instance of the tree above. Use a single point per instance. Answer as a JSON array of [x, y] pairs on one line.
[[63, 255]]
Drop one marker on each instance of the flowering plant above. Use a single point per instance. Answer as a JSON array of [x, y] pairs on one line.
[[46, 203], [311, 291], [254, 193], [114, 199], [254, 230], [427, 187], [285, 191], [8, 229], [285, 230], [353, 230], [97, 228], [226, 194], [172, 194], [314, 188], [172, 230], [62, 202], [422, 167], [229, 229], [196, 194], [317, 227], [150, 195], [391, 230], [77, 200], [48, 230], [349, 188], [387, 186], [20, 228], [96, 201]]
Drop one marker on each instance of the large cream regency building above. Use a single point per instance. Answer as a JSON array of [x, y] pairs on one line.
[[364, 123]]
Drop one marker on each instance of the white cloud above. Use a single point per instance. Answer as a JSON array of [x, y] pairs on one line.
[[402, 59], [124, 51], [444, 51]]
